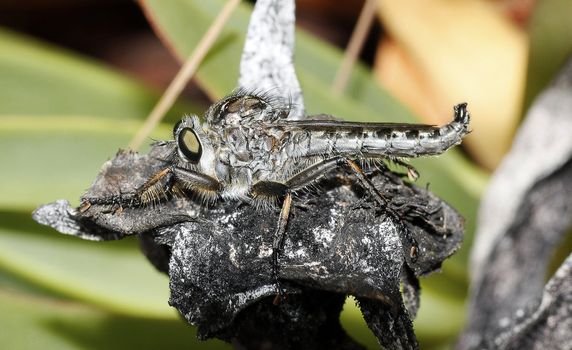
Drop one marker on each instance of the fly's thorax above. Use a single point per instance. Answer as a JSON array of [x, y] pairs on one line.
[[242, 109], [247, 145], [256, 147]]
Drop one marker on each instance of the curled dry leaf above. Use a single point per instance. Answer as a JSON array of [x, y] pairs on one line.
[[218, 257], [525, 213]]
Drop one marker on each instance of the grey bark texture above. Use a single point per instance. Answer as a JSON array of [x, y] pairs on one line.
[[524, 215], [267, 62]]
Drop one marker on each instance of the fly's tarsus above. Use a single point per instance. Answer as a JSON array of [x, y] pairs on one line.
[[115, 202]]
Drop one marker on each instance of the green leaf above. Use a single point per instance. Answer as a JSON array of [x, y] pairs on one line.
[[47, 158], [30, 323], [550, 33], [37, 79], [59, 121], [353, 323], [105, 274], [40, 80], [11, 282], [58, 157], [433, 307]]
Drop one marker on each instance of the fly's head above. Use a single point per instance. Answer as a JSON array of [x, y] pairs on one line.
[[195, 147]]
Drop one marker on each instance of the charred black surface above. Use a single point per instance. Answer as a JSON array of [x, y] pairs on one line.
[[218, 258], [305, 321]]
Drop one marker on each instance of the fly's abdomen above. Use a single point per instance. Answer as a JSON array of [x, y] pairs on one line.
[[383, 139]]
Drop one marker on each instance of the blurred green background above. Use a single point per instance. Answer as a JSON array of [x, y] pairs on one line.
[[77, 78]]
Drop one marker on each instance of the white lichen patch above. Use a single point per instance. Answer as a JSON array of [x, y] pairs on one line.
[[241, 299], [264, 251], [324, 236], [232, 256]]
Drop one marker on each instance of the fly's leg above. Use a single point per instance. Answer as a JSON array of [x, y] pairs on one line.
[[412, 173], [170, 181], [175, 181], [378, 197], [205, 187], [278, 244], [265, 190], [275, 189], [316, 171], [270, 189], [158, 186], [365, 182], [117, 202]]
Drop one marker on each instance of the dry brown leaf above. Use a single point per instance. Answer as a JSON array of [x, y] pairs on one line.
[[457, 51]]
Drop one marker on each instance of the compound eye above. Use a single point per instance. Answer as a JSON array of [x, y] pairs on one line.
[[189, 145], [176, 127]]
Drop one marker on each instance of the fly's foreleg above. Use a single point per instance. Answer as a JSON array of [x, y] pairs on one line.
[[177, 181], [170, 181], [156, 188], [205, 187]]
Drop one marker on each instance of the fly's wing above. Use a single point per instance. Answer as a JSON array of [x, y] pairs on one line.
[[267, 63], [323, 122]]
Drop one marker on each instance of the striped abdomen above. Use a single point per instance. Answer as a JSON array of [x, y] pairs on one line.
[[317, 137]]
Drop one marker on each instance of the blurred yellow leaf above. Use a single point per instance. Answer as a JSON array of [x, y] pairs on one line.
[[445, 52]]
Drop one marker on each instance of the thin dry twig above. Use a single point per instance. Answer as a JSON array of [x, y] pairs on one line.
[[184, 75], [355, 46]]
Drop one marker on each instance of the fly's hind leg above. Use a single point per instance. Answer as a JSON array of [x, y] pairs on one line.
[[412, 173], [385, 206], [305, 178], [316, 171]]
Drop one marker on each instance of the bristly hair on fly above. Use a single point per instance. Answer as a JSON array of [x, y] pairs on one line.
[[280, 106]]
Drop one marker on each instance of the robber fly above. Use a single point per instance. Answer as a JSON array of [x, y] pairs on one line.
[[247, 149]]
